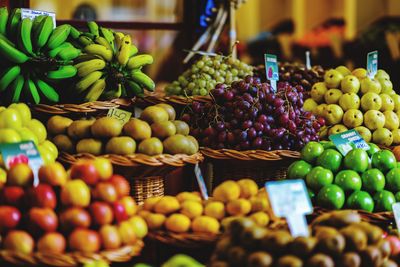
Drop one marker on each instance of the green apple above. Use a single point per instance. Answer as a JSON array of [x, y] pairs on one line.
[[349, 101], [318, 177], [348, 180], [353, 118], [386, 84], [387, 102], [364, 132], [298, 169], [311, 151], [318, 91], [343, 70], [393, 180], [332, 78], [331, 197], [311, 194], [350, 84], [372, 149], [309, 104], [374, 119], [360, 200], [330, 159], [381, 74], [23, 111], [370, 85], [356, 160], [327, 144], [396, 101], [373, 180], [8, 135], [384, 160], [360, 73], [371, 101], [396, 136], [333, 114], [10, 118], [338, 128], [27, 135], [332, 96], [382, 136], [391, 120], [384, 200], [320, 110], [397, 197]]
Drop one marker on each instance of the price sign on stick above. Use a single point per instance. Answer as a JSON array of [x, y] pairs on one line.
[[348, 140], [396, 213], [119, 114], [308, 60], [271, 69], [200, 181], [290, 199], [31, 13], [372, 63]]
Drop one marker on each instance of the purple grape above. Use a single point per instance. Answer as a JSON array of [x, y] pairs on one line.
[[247, 124], [251, 133]]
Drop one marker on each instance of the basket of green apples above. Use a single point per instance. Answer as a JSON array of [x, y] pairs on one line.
[[362, 180]]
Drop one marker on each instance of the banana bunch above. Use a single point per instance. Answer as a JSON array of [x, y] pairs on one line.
[[110, 67], [35, 56]]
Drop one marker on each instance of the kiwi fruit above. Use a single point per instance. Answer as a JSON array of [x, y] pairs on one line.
[[302, 246], [64, 143], [289, 261], [237, 256], [384, 247], [320, 260], [342, 218], [237, 226], [330, 241], [222, 247], [374, 233], [356, 239], [350, 259], [252, 237], [276, 241], [371, 256], [259, 259]]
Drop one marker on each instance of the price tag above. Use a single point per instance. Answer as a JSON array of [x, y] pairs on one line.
[[119, 114], [290, 199], [396, 213], [308, 60], [24, 152], [348, 140], [137, 111], [200, 181], [372, 63], [31, 13], [271, 69]]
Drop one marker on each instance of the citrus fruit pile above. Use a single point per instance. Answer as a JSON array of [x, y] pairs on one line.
[[154, 133], [87, 209], [351, 181], [340, 239], [188, 212], [350, 100]]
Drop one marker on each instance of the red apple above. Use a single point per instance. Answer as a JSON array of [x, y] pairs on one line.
[[101, 213], [106, 191], [86, 171], [121, 185], [42, 220], [394, 244], [104, 167], [74, 217], [19, 241], [9, 218], [52, 243], [42, 196], [119, 212], [129, 204], [110, 237], [53, 174], [84, 240], [13, 195]]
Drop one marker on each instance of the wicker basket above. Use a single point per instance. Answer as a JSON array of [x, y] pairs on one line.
[[123, 254], [160, 97], [259, 165]]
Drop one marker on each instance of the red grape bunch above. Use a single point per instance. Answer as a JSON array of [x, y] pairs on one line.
[[249, 115]]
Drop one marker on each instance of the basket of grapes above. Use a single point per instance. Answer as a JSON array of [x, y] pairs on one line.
[[247, 130]]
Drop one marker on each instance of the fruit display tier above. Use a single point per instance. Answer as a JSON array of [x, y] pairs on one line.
[[158, 97], [123, 254]]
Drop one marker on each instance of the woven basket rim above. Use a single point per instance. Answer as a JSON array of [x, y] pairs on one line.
[[122, 254], [383, 216], [160, 97], [178, 160], [247, 155]]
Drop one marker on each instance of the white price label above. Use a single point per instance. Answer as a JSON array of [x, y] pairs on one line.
[[31, 13], [200, 181]]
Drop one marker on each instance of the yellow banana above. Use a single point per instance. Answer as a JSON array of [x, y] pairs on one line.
[[139, 61], [96, 90], [88, 80], [90, 66], [99, 50], [102, 41], [124, 51], [118, 39]]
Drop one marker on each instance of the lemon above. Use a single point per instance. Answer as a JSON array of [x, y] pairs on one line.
[[238, 207], [248, 188], [177, 223], [215, 209], [188, 196], [205, 224], [191, 209], [228, 190], [167, 205], [38, 129], [260, 218], [155, 221], [150, 202]]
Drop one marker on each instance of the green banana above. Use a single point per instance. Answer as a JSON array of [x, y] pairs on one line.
[[90, 66], [93, 28], [11, 53], [139, 61], [143, 80], [83, 58], [124, 50], [113, 93], [108, 35], [85, 41], [30, 87], [43, 33], [134, 88], [102, 41], [36, 23], [69, 53], [74, 32], [63, 72], [13, 20], [88, 80], [24, 36], [96, 90], [54, 52], [9, 76], [58, 36], [3, 20], [4, 38], [16, 88], [99, 50], [48, 91], [133, 51], [89, 35]]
